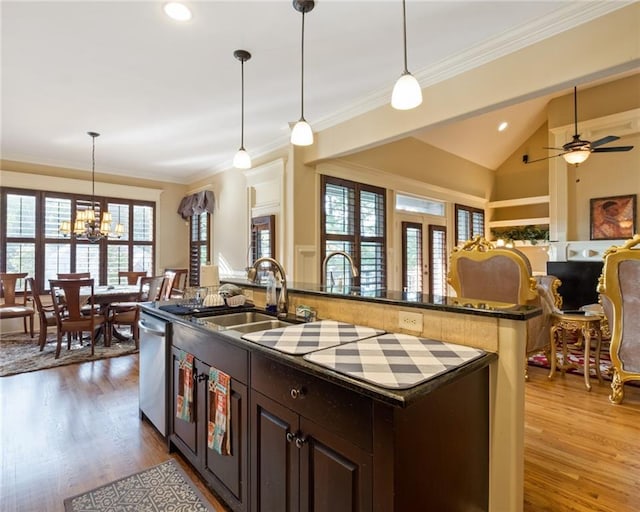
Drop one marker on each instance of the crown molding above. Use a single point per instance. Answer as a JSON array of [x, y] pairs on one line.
[[565, 18]]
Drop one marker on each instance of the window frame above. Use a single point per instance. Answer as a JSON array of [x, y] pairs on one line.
[[357, 239], [471, 211], [195, 246], [41, 240]]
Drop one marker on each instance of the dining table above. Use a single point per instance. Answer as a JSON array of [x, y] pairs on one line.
[[104, 295]]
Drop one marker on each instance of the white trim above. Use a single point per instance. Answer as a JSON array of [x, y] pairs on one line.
[[518, 222], [518, 202], [76, 186]]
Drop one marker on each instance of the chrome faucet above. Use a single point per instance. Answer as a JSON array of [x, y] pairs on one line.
[[283, 300], [354, 270]]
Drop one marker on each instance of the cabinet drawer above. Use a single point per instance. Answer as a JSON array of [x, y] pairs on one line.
[[337, 409], [214, 349]]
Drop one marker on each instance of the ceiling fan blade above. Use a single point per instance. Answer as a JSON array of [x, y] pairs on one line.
[[604, 140], [541, 159], [557, 149], [613, 149]]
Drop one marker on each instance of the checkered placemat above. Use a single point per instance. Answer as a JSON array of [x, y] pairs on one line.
[[305, 338], [395, 361]]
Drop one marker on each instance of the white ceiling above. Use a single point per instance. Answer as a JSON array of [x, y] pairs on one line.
[[165, 96]]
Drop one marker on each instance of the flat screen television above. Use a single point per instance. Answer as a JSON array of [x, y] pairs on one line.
[[579, 281]]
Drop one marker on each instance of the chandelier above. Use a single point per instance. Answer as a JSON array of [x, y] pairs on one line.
[[87, 225]]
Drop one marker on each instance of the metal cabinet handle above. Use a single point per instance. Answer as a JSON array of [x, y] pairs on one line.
[[290, 437], [297, 393], [145, 328], [300, 441]]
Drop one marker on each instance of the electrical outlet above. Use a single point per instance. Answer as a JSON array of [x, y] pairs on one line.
[[410, 321]]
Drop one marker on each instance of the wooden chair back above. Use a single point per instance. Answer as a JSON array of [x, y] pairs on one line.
[[75, 275], [131, 277], [46, 312], [9, 283], [178, 282], [620, 295], [151, 288], [68, 296]]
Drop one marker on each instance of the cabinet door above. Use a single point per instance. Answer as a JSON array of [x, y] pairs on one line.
[[274, 456], [335, 475], [228, 473], [184, 431]]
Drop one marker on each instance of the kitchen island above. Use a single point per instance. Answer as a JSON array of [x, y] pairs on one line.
[[307, 437]]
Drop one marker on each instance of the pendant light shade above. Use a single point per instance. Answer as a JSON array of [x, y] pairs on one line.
[[302, 134], [242, 160], [407, 93]]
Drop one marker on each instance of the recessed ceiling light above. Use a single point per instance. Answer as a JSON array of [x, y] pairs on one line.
[[503, 126], [177, 11]]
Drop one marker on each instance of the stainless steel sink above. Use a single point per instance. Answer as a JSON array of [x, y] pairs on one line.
[[244, 322], [246, 317], [259, 326]]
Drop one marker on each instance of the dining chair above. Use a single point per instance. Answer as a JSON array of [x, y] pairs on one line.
[[480, 270], [128, 313], [75, 275], [131, 277], [68, 297], [46, 312], [620, 296], [11, 308], [178, 283]]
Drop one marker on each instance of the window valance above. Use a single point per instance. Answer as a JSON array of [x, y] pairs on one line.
[[197, 203]]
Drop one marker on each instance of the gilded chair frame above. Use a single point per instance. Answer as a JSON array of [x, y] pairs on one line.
[[613, 303], [480, 250]]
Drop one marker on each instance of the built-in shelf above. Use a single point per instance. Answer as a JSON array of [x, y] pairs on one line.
[[518, 222], [523, 201]]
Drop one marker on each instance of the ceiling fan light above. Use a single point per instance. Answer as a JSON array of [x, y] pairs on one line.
[[576, 157], [407, 93], [302, 135], [242, 160]]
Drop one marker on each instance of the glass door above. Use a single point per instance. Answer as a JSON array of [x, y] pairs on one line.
[[424, 258]]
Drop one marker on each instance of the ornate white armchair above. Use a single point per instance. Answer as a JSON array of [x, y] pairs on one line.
[[619, 288], [480, 270]]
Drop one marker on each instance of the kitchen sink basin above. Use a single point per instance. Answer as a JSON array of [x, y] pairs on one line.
[[246, 317], [259, 326]]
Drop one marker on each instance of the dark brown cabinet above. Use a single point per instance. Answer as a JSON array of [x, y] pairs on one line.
[[299, 463], [227, 475]]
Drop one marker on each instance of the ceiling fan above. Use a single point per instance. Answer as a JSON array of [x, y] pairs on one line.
[[577, 151]]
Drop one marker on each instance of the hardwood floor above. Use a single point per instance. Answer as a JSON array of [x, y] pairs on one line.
[[69, 429], [581, 453], [66, 430]]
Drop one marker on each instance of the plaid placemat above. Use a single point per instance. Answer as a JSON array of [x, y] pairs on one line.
[[396, 361], [305, 338]]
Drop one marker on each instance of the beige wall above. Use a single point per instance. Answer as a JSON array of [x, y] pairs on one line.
[[172, 236]]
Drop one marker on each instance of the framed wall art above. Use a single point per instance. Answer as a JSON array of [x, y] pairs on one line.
[[613, 218]]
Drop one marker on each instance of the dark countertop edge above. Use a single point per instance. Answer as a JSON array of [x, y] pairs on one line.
[[395, 397], [514, 313]]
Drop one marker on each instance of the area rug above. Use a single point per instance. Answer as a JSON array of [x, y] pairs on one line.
[[575, 357], [165, 487], [19, 353]]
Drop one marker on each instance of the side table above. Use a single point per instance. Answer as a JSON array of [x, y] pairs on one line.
[[585, 326]]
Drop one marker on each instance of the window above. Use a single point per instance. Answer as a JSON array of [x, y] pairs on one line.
[[438, 259], [419, 205], [412, 257], [469, 223], [353, 221], [31, 241], [199, 246]]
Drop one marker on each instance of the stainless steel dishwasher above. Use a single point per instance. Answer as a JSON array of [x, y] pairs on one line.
[[155, 335]]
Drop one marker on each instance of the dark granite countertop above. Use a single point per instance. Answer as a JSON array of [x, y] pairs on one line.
[[412, 300], [397, 398]]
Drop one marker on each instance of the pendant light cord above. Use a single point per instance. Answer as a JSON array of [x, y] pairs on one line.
[[93, 173], [404, 34], [242, 106], [302, 74], [575, 109]]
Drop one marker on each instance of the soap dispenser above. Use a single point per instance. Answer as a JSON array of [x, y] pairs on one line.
[[271, 298]]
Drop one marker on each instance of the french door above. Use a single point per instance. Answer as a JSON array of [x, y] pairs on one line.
[[424, 258]]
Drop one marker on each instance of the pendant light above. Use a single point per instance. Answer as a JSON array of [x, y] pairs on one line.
[[87, 226], [407, 93], [242, 160], [302, 135]]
